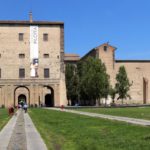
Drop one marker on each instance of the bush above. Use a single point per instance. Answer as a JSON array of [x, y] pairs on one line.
[[35, 105], [3, 106], [113, 104], [31, 105]]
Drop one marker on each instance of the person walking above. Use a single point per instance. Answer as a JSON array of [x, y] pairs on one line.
[[25, 107]]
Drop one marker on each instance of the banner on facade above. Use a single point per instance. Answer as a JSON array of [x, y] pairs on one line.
[[34, 53]]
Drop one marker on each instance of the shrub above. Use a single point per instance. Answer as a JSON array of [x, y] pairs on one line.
[[3, 106], [31, 105], [35, 105]]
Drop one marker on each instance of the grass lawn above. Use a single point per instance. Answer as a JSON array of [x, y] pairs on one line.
[[66, 131], [3, 117], [138, 112]]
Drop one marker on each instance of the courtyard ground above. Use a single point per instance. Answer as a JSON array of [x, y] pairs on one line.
[[67, 131], [133, 112]]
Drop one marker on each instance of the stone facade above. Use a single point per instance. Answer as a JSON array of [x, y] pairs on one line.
[[138, 72], [15, 55]]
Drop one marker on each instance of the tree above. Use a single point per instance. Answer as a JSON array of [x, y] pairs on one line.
[[106, 87], [123, 84], [87, 82], [93, 80], [72, 83], [112, 92]]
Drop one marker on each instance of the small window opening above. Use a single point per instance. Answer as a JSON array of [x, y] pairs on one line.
[[105, 48], [21, 55], [21, 36], [45, 37], [46, 55]]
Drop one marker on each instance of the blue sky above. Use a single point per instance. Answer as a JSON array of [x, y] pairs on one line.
[[89, 23]]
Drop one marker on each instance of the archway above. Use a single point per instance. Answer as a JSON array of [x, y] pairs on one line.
[[49, 102], [49, 96], [22, 98], [21, 92]]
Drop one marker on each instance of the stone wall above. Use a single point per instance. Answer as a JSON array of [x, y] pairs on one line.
[[136, 72]]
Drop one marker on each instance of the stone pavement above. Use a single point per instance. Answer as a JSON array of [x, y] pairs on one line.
[[18, 137], [21, 134], [124, 119]]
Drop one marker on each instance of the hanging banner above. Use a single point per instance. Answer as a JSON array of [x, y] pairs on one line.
[[34, 53]]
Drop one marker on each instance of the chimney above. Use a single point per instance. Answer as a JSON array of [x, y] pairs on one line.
[[30, 16]]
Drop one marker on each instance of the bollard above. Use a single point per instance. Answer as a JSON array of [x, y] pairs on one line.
[[11, 111], [62, 107]]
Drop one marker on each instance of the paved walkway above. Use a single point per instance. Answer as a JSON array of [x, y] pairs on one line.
[[21, 134], [18, 137], [125, 119]]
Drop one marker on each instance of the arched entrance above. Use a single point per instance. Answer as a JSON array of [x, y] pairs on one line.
[[49, 100], [22, 98], [49, 97], [21, 93]]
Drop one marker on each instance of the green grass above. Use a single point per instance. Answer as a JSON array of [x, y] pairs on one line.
[[138, 112], [66, 131], [3, 117]]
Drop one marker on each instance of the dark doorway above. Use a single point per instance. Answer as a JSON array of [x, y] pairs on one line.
[[22, 98], [49, 102], [145, 90]]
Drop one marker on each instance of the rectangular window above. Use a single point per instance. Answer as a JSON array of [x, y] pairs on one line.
[[105, 48], [46, 55], [45, 37], [46, 72], [21, 73], [21, 36], [0, 72], [21, 55]]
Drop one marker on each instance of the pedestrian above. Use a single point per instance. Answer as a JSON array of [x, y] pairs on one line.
[[22, 103], [25, 107], [19, 106]]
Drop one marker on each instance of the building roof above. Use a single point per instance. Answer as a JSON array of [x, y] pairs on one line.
[[16, 22], [71, 57], [94, 49], [107, 45], [132, 61]]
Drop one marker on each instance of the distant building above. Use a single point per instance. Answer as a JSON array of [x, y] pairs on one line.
[[71, 58], [138, 72], [32, 63]]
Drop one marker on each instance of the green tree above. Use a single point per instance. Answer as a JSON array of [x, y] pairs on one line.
[[106, 87], [87, 82], [72, 83], [112, 92], [93, 80], [123, 84]]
